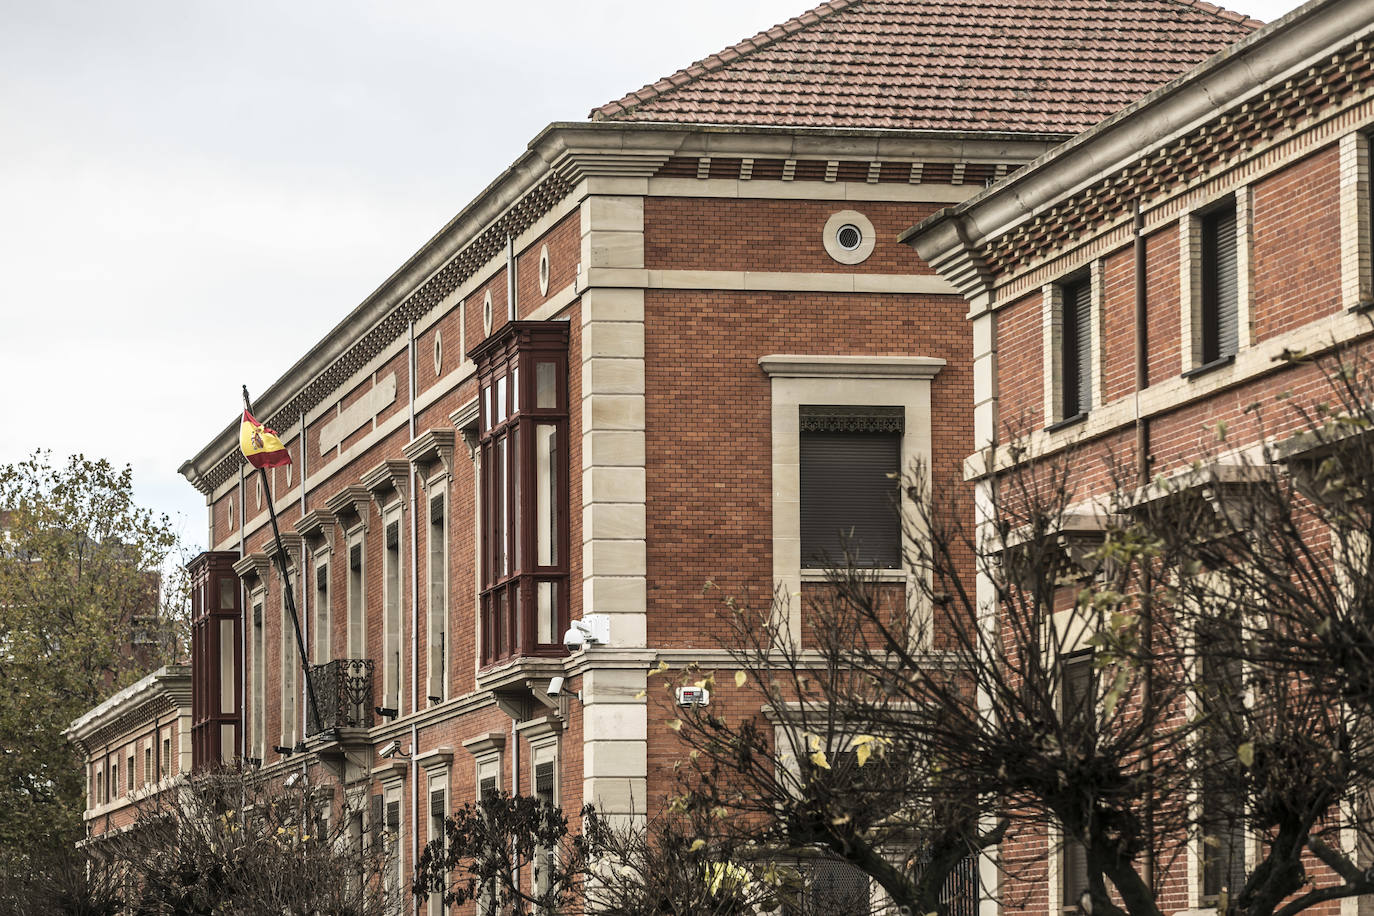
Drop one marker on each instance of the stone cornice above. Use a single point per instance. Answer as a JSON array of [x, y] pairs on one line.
[[388, 476], [908, 367], [557, 162], [165, 690], [489, 743], [353, 501], [253, 566], [433, 446], [317, 527], [293, 544]]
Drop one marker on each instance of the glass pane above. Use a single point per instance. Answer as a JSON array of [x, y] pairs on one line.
[[502, 498], [500, 400], [546, 382], [227, 588], [515, 506], [546, 494], [547, 613], [515, 389], [486, 405]]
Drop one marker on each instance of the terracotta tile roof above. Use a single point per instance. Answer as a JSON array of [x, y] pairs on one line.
[[1052, 66]]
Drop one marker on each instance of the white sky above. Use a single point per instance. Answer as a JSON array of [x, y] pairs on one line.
[[192, 193]]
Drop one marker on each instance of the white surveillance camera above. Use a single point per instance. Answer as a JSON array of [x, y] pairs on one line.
[[591, 630], [293, 779], [390, 748], [555, 686]]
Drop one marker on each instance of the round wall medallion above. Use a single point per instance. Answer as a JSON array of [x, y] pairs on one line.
[[849, 237], [486, 313], [231, 512], [438, 352], [544, 271]]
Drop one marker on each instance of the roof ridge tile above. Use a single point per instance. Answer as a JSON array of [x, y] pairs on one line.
[[1221, 12]]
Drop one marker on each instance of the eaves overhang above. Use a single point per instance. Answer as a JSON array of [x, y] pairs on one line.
[[172, 681], [954, 240]]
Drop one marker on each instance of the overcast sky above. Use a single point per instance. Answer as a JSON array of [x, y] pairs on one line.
[[192, 193]]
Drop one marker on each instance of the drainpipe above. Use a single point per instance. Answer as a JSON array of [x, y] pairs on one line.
[[1142, 453], [414, 625]]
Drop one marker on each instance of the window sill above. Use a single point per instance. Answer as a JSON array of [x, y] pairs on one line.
[[1067, 422], [882, 575], [1207, 368]]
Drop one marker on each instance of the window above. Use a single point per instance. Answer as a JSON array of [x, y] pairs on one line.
[[100, 798], [357, 625], [546, 860], [849, 457], [1222, 794], [1075, 375], [319, 626], [394, 873], [259, 724], [836, 888], [523, 420], [114, 778], [290, 665], [438, 812], [148, 764], [1077, 698], [391, 621], [438, 599], [129, 772], [166, 754], [1217, 334]]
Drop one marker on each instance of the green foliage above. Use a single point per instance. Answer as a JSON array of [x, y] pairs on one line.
[[80, 577]]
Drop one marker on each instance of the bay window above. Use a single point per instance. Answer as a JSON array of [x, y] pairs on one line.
[[523, 420]]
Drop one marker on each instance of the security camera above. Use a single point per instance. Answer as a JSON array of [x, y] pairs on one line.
[[291, 780], [390, 748], [591, 630], [555, 687]]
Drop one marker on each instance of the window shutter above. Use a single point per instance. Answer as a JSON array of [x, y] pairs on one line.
[[1220, 285], [488, 785], [1076, 376], [355, 557], [848, 461], [393, 817], [436, 806], [436, 510], [393, 535]]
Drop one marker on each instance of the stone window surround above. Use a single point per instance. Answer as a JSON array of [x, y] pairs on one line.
[[1190, 275], [1052, 316], [858, 381]]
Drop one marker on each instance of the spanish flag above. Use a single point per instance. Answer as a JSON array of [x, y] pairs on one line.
[[260, 445]]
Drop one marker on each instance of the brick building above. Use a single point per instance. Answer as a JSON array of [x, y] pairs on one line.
[[134, 744], [635, 362], [1098, 336]]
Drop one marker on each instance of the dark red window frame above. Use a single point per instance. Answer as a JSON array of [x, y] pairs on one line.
[[522, 373]]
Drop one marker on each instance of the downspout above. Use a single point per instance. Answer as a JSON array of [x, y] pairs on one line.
[[1142, 459], [414, 624]]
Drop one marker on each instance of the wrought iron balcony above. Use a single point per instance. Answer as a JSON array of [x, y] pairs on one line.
[[343, 690]]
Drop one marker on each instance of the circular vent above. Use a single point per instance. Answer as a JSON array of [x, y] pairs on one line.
[[849, 237]]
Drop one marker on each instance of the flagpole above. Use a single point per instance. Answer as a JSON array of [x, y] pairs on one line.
[[286, 579]]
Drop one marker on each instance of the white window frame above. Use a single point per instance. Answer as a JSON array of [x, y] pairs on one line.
[[356, 593], [393, 609], [1357, 247], [322, 622], [257, 622], [1190, 275], [289, 675], [438, 638], [1052, 339]]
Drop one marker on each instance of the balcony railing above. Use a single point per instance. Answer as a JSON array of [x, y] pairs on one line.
[[343, 690]]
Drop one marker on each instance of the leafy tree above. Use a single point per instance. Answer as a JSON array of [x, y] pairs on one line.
[[82, 613]]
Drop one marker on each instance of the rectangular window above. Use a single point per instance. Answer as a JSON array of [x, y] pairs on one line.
[[1077, 697], [391, 621], [259, 723], [849, 458], [319, 627], [357, 629], [438, 599], [166, 754], [290, 665], [438, 812], [546, 857], [129, 771], [1218, 334], [148, 764], [1076, 348], [1220, 695], [114, 778], [394, 872]]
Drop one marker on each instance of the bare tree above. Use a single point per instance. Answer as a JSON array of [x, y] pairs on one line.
[[232, 842]]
